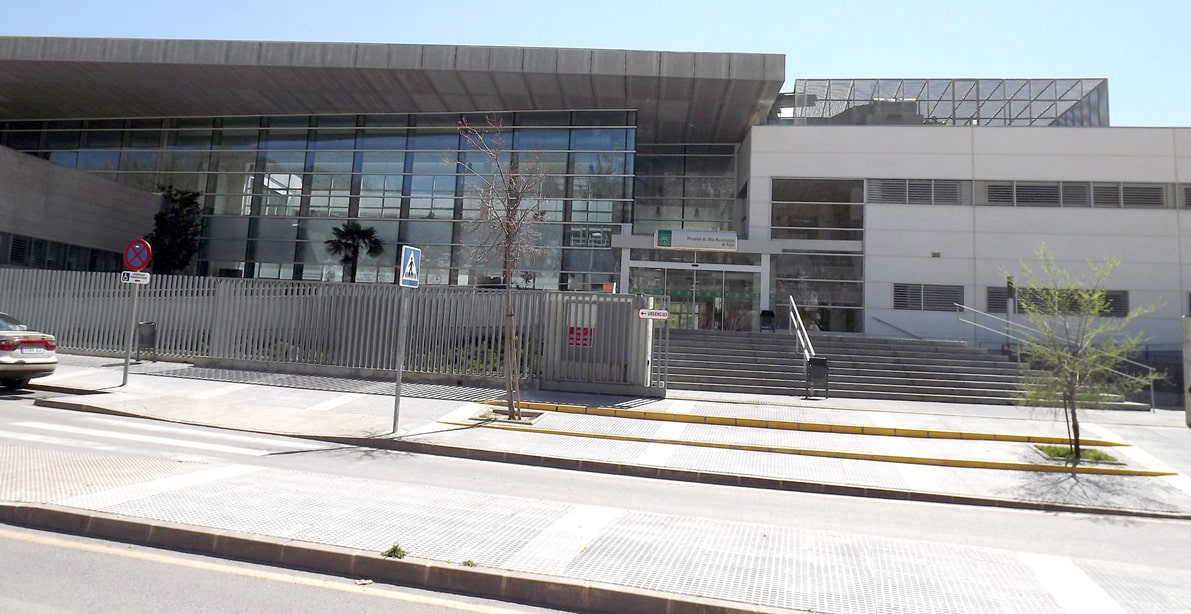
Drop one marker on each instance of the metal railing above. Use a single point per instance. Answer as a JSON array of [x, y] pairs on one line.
[[799, 331], [896, 327], [1010, 325], [316, 327]]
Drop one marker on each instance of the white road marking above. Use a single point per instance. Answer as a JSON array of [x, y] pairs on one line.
[[182, 431], [332, 403], [217, 392], [212, 447], [132, 492], [60, 375], [556, 546], [58, 441], [1074, 591]]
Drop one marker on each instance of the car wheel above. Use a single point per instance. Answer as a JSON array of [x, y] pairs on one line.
[[14, 384]]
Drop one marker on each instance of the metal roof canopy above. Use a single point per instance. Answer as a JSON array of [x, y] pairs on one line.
[[680, 97]]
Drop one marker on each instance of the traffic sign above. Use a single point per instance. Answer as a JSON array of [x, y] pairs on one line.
[[137, 255], [134, 277], [411, 261], [653, 314]]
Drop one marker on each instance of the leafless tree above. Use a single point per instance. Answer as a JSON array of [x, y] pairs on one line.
[[510, 210]]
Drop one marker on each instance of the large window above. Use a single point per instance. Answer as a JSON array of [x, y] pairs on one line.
[[273, 187], [825, 209]]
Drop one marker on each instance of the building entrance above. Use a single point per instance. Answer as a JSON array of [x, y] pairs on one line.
[[703, 297]]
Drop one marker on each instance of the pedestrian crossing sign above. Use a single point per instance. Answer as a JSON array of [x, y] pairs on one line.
[[411, 260]]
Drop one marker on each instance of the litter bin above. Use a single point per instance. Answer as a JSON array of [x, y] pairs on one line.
[[766, 319], [816, 375], [146, 339]]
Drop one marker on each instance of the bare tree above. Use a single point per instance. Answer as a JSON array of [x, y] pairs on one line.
[[510, 203]]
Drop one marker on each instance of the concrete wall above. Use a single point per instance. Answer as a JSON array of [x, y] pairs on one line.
[[975, 246], [46, 201]]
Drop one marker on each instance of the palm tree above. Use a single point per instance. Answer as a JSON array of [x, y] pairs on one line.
[[350, 239]]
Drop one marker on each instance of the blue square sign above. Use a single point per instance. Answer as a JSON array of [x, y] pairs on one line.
[[411, 261]]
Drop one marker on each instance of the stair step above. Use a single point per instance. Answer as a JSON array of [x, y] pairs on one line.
[[858, 367]]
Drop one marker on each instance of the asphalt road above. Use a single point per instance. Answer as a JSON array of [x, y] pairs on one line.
[[51, 572], [1153, 543]]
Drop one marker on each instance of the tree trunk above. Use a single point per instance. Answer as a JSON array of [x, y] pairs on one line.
[[1073, 419], [1075, 434], [512, 392]]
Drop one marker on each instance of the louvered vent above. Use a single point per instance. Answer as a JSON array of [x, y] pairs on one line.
[[1143, 196]]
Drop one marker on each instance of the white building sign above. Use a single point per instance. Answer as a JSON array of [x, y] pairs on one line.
[[695, 240]]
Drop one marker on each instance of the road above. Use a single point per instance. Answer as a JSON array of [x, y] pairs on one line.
[[1160, 543], [50, 572], [1141, 553]]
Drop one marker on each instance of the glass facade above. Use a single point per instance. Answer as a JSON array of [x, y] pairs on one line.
[[946, 102], [685, 187], [828, 285], [275, 186]]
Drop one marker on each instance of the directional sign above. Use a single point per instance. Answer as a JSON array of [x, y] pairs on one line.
[[653, 314], [137, 255], [411, 261], [134, 277]]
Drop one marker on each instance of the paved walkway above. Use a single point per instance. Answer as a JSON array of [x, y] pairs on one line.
[[941, 452]]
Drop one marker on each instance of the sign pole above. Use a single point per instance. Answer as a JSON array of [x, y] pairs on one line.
[[402, 328], [136, 288], [410, 262], [137, 255]]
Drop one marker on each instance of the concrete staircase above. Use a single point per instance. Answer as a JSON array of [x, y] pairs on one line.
[[858, 367]]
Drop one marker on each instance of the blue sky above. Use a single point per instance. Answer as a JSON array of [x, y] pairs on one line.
[[1141, 46]]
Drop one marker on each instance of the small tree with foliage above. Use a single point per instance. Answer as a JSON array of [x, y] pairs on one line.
[[177, 229], [1074, 354], [350, 239], [510, 197]]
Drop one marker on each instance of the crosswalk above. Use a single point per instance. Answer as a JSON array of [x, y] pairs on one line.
[[119, 435]]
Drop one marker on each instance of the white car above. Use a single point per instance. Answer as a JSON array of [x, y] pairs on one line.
[[24, 354]]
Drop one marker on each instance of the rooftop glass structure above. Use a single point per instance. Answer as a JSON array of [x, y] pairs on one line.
[[946, 102]]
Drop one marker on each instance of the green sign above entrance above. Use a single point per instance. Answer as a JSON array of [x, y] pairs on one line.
[[708, 241]]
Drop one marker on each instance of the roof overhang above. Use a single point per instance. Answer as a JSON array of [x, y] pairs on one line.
[[679, 97]]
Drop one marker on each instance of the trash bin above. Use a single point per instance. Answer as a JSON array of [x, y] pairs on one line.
[[146, 339], [766, 319], [816, 375]]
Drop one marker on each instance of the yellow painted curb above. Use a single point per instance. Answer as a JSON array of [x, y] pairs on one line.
[[892, 458], [818, 427]]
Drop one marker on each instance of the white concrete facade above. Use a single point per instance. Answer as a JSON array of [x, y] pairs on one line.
[[976, 245]]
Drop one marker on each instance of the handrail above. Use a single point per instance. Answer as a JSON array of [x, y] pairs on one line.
[[1009, 324], [896, 327], [804, 341], [797, 328]]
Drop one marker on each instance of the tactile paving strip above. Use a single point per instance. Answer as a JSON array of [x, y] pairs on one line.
[[1142, 590], [812, 570], [45, 475]]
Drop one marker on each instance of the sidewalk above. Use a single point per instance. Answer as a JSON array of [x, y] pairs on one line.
[[584, 554]]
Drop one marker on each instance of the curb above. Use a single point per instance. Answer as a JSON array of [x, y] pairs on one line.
[[787, 425], [888, 458], [731, 479], [723, 479], [525, 588]]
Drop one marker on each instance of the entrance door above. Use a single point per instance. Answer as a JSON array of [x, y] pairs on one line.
[[704, 298]]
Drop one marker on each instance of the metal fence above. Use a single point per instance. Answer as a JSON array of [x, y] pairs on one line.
[[592, 340]]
